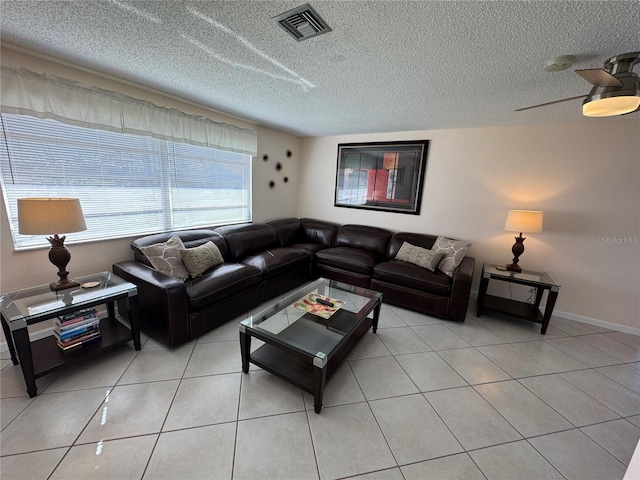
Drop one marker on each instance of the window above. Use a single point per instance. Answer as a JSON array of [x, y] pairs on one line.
[[127, 184]]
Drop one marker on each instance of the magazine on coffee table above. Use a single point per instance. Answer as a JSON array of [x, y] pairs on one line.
[[319, 305]]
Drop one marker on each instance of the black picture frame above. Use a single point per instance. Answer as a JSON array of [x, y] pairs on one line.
[[384, 176]]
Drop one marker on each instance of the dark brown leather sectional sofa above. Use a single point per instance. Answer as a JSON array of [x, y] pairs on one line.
[[263, 260]]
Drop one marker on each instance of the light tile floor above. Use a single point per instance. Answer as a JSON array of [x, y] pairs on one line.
[[490, 398]]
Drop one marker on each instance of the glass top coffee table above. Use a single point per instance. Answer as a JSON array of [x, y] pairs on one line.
[[305, 340]]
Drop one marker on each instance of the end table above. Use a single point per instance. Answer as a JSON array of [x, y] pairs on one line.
[[541, 281], [29, 306]]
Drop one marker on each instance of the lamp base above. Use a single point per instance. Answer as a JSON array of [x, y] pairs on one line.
[[514, 268], [60, 285], [517, 250], [60, 256]]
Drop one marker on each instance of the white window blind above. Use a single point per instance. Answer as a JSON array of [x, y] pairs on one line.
[[127, 184]]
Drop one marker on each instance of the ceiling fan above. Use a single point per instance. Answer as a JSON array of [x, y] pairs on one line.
[[616, 88]]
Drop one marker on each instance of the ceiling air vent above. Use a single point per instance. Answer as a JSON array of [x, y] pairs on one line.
[[302, 23]]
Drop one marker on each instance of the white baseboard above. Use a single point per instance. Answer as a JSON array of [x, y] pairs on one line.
[[597, 322]]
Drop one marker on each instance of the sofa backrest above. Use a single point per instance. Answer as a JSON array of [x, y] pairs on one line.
[[190, 239], [288, 230], [318, 231], [364, 237], [248, 238], [417, 239]]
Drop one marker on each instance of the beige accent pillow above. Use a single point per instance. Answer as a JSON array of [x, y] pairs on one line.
[[201, 258], [418, 256], [453, 251], [166, 257]]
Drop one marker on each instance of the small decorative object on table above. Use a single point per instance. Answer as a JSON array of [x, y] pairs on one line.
[[319, 305]]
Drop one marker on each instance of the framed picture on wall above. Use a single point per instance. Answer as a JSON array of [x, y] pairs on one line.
[[386, 176]]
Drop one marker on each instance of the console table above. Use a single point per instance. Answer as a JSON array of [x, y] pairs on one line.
[[540, 281], [29, 306]]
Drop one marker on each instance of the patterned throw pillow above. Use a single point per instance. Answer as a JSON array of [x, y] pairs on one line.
[[166, 258], [418, 256], [453, 251], [199, 259]]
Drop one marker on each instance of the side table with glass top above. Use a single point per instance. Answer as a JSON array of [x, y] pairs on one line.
[[30, 306], [540, 281]]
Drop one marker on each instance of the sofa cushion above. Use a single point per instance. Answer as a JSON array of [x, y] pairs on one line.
[[318, 231], [288, 230], [419, 256], [190, 239], [248, 239], [201, 258], [352, 259], [418, 239], [309, 248], [166, 258], [220, 283], [453, 251], [413, 276], [364, 237], [278, 261]]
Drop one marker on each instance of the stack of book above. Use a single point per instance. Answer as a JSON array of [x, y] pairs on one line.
[[77, 328]]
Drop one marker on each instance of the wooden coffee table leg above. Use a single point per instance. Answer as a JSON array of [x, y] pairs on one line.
[[319, 381], [376, 317], [548, 309], [482, 293], [23, 347], [245, 349], [9, 338]]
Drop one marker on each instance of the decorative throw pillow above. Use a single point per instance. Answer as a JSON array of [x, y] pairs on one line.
[[419, 256], [453, 251], [166, 258], [201, 258]]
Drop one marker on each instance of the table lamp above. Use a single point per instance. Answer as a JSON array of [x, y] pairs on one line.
[[42, 216], [528, 221]]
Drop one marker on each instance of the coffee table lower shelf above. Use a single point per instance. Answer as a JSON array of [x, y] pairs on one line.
[[296, 370], [514, 308], [48, 356]]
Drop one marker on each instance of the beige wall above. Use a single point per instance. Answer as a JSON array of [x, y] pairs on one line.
[[584, 176], [28, 268]]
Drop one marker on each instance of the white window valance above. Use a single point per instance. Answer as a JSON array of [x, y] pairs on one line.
[[48, 96]]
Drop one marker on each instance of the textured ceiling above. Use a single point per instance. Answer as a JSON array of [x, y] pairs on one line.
[[386, 66]]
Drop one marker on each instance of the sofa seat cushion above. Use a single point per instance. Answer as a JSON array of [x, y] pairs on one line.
[[413, 276], [352, 259], [220, 283], [279, 261], [309, 248]]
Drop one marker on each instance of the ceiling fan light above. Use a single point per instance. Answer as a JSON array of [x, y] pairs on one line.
[[610, 106]]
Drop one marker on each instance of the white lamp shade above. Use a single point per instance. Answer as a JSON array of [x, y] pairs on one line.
[[46, 216], [524, 221]]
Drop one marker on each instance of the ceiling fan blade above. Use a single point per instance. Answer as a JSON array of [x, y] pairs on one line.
[[549, 103], [599, 77]]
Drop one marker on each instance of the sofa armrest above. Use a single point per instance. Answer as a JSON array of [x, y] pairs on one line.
[[461, 289], [162, 301]]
